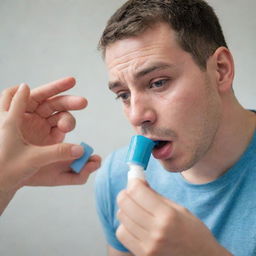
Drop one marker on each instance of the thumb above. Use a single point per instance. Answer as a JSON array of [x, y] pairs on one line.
[[43, 155], [19, 102]]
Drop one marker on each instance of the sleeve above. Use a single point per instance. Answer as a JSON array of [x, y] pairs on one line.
[[105, 196]]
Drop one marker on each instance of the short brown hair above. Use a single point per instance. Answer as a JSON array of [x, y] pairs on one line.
[[196, 25]]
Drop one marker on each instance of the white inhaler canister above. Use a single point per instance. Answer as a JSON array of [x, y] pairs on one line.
[[138, 156]]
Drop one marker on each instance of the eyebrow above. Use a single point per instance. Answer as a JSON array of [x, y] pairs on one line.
[[151, 68], [142, 72]]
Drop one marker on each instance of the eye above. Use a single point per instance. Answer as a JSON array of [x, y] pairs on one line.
[[158, 83], [124, 96]]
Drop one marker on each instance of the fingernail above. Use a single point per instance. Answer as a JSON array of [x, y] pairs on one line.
[[21, 87], [77, 150]]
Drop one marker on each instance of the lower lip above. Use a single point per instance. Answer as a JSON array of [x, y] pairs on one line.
[[164, 152]]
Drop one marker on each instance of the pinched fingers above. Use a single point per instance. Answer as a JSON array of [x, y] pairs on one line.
[[60, 173], [71, 178], [39, 156], [93, 164]]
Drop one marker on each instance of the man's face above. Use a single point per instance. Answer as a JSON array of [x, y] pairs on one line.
[[165, 95]]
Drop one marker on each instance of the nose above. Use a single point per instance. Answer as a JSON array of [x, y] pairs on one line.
[[141, 112]]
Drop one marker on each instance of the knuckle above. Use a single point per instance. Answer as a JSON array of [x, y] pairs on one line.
[[159, 238], [165, 223], [62, 150], [169, 216]]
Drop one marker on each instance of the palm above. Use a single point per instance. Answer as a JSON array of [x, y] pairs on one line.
[[38, 131]]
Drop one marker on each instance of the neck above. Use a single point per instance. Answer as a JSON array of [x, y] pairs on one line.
[[235, 132]]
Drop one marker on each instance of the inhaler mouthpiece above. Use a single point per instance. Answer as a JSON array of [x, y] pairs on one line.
[[138, 156]]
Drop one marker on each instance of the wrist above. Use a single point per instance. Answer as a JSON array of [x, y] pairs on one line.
[[5, 198]]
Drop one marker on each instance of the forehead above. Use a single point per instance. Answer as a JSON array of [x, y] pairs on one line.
[[155, 44]]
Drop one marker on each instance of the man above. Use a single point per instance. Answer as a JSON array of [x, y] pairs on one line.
[[169, 64], [32, 125]]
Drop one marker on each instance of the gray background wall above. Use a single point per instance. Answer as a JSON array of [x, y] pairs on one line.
[[43, 40]]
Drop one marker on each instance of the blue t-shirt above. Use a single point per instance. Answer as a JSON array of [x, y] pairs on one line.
[[227, 205]]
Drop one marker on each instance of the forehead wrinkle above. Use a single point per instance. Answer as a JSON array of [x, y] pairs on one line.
[[132, 54], [124, 72], [129, 66], [121, 73]]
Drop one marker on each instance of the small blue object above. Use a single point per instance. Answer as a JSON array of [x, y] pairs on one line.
[[79, 163], [140, 150]]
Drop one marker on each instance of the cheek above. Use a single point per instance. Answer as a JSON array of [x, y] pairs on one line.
[[188, 109], [180, 103]]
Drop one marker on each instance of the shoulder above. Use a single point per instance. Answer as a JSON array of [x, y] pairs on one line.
[[113, 173]]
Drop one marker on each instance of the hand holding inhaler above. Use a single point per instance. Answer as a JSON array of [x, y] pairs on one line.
[[151, 224]]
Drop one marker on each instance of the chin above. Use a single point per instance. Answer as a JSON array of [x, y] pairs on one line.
[[175, 166], [170, 167]]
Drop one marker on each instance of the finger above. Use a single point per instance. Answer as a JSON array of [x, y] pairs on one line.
[[6, 98], [147, 198], [128, 240], [136, 212], [19, 102], [133, 227], [40, 156], [61, 103], [93, 163], [40, 94], [71, 178], [63, 120], [55, 136]]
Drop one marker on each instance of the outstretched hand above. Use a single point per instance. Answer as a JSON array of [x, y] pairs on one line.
[[32, 125]]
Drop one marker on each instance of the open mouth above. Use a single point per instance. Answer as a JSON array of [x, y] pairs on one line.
[[160, 144], [162, 149]]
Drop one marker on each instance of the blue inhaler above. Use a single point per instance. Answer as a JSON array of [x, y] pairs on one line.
[[138, 156]]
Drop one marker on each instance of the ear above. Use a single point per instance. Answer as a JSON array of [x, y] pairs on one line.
[[224, 66]]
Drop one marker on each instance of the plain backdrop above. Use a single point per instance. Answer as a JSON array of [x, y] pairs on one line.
[[43, 40]]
